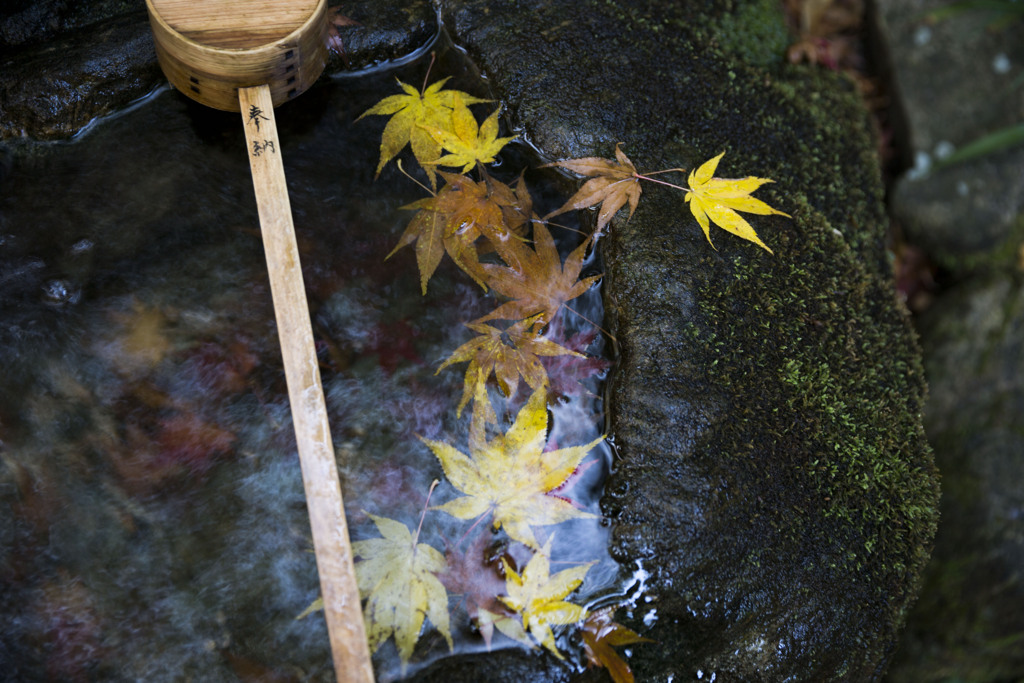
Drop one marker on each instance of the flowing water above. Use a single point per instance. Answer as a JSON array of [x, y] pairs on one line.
[[152, 519]]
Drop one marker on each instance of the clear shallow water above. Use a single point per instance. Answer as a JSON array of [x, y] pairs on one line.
[[157, 527]]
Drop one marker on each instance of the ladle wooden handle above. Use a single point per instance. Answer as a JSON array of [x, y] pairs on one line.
[[305, 392]]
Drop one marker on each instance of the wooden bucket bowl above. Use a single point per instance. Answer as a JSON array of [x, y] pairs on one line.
[[208, 49]]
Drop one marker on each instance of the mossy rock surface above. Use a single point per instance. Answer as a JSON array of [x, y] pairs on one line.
[[968, 624], [774, 476]]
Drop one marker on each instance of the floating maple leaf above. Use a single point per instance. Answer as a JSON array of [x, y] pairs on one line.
[[538, 597], [508, 354], [542, 284], [506, 621], [615, 183], [396, 577], [451, 221], [466, 143], [511, 475], [600, 635], [479, 209], [411, 114], [718, 199], [426, 230]]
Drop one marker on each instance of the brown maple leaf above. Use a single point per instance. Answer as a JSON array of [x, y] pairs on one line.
[[476, 574], [478, 209], [600, 634], [542, 284], [509, 354], [335, 21], [454, 219], [614, 184]]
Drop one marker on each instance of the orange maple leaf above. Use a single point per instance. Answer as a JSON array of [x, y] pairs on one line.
[[542, 285], [456, 217], [600, 634], [478, 209], [615, 183], [509, 354]]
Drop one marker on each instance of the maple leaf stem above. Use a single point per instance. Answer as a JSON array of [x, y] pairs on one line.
[[416, 536], [640, 176], [603, 331], [559, 225], [470, 529], [409, 176], [433, 56], [665, 170]]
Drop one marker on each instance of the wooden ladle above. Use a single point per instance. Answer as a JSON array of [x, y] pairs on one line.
[[250, 56]]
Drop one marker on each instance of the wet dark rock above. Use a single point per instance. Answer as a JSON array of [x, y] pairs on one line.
[[774, 475], [66, 63], [957, 80], [968, 625], [24, 22], [55, 88], [385, 31]]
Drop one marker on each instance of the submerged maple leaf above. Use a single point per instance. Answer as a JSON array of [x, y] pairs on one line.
[[335, 21], [538, 597], [397, 578], [615, 183], [542, 284], [718, 199], [475, 574], [466, 143], [600, 635], [509, 354], [566, 373], [411, 115], [511, 475]]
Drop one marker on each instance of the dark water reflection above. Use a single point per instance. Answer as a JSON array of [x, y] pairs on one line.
[[153, 525]]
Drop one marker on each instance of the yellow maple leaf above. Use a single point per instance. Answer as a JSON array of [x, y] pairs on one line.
[[396, 577], [411, 114], [427, 231], [511, 475], [466, 143], [718, 200], [538, 597]]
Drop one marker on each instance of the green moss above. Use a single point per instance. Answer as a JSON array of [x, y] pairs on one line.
[[835, 402], [755, 33]]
